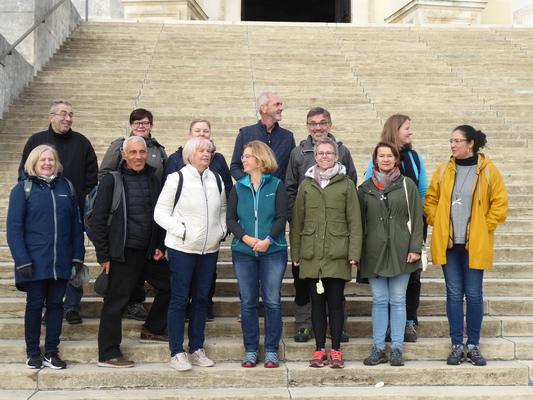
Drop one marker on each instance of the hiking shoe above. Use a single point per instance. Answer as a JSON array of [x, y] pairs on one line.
[[344, 337], [136, 311], [181, 362], [410, 333], [320, 358], [271, 359], [376, 357], [210, 315], [149, 337], [52, 360], [303, 335], [199, 358], [118, 362], [336, 359], [250, 359], [396, 359], [456, 356], [474, 356], [34, 362], [73, 317], [387, 335]]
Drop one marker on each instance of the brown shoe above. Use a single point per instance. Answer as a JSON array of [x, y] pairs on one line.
[[149, 337], [119, 362]]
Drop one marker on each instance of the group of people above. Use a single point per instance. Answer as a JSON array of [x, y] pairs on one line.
[[186, 204]]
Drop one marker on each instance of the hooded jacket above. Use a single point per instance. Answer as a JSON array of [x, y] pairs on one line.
[[197, 222], [44, 230], [387, 240], [326, 230], [489, 209]]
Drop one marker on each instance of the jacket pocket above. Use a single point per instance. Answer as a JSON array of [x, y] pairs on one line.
[[307, 242], [338, 241]]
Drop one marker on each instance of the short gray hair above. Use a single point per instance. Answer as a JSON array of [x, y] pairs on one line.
[[193, 145], [132, 139], [56, 102], [263, 99], [327, 140]]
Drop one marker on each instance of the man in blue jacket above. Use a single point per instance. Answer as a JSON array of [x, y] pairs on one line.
[[268, 131], [80, 166]]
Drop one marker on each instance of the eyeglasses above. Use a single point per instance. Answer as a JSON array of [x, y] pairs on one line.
[[145, 124], [458, 140], [246, 157], [325, 153], [313, 125], [64, 115]]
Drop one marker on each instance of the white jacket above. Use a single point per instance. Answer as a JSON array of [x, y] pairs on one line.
[[198, 222]]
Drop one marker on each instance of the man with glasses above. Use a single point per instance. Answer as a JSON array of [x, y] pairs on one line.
[[268, 131], [141, 124], [80, 166], [301, 159]]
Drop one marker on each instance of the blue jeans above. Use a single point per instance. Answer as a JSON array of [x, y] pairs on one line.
[[39, 293], [190, 275], [463, 282], [263, 273], [387, 291], [73, 297]]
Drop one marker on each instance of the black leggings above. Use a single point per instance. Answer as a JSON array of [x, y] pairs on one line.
[[334, 296]]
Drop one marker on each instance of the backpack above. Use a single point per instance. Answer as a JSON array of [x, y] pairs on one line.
[[90, 199], [28, 184], [180, 186]]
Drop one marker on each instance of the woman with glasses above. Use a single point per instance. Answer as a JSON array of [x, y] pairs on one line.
[[397, 130], [466, 200], [326, 235], [257, 214], [392, 220], [45, 236]]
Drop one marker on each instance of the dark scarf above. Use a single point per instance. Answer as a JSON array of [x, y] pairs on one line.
[[383, 181], [406, 164]]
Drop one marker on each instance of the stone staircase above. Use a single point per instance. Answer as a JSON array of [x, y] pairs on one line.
[[440, 76]]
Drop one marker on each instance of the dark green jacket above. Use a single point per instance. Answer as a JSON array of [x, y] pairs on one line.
[[326, 229], [387, 240]]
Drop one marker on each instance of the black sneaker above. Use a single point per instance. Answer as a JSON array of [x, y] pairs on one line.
[[53, 361], [410, 333], [474, 356], [376, 357], [344, 337], [456, 356], [73, 317], [136, 311], [34, 362], [303, 335]]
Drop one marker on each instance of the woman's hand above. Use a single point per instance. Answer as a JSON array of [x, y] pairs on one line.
[[413, 257], [353, 262], [296, 263], [106, 265], [158, 255], [250, 241], [262, 245]]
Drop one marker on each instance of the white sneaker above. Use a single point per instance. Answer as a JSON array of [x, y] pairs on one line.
[[180, 362], [199, 358]]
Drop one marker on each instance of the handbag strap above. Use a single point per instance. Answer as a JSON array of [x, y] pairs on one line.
[[408, 209]]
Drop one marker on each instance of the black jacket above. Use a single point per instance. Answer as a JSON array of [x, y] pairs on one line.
[[110, 245], [76, 154]]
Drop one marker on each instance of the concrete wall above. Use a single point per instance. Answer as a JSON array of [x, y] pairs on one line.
[[100, 8], [16, 17]]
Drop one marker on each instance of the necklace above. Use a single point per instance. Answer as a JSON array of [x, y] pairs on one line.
[[457, 201]]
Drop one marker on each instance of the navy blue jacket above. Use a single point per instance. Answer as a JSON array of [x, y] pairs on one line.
[[281, 141], [45, 230]]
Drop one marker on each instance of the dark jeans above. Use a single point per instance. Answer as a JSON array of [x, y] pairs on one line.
[[191, 275], [123, 276], [38, 293], [333, 298], [412, 296]]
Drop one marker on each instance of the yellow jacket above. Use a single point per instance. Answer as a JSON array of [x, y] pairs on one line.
[[489, 209]]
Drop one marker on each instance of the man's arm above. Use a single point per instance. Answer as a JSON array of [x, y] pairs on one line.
[[347, 161], [236, 163], [91, 170], [111, 159]]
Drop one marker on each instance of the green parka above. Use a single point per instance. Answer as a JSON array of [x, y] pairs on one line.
[[326, 231], [386, 240]]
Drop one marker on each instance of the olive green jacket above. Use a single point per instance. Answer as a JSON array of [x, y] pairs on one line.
[[387, 241], [326, 231]]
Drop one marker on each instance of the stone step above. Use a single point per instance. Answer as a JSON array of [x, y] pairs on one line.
[[226, 375]]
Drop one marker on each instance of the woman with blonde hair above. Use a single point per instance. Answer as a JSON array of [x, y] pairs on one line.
[[257, 214]]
